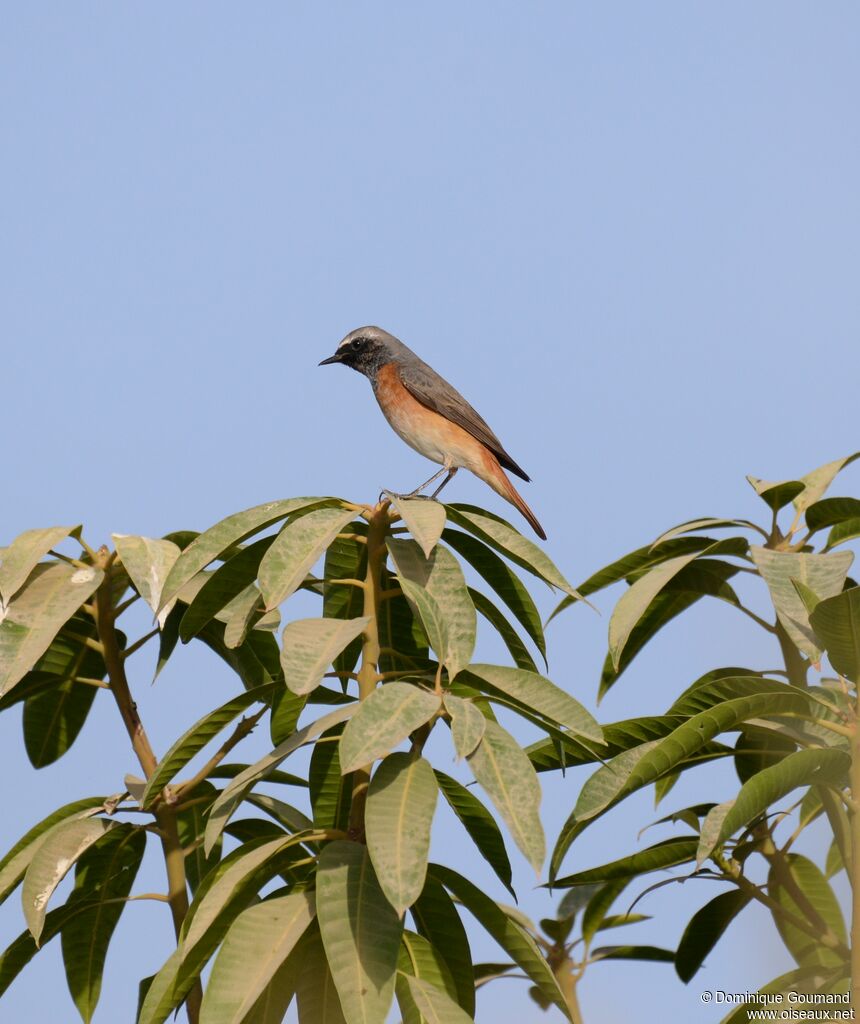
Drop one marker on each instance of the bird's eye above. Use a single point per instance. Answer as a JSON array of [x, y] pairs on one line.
[[358, 344]]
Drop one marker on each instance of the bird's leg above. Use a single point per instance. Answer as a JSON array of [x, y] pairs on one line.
[[417, 492], [451, 472]]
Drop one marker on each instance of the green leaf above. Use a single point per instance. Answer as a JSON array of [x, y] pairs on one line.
[[668, 854], [480, 825], [842, 532], [191, 825], [17, 860], [330, 792], [467, 724], [510, 934], [710, 831], [599, 902], [318, 1001], [817, 482], [759, 748], [51, 863], [824, 574], [23, 555], [802, 768], [258, 944], [360, 932], [148, 563], [401, 802], [830, 512], [705, 929], [219, 538], [650, 953], [633, 772], [836, 622], [776, 494], [424, 519], [453, 626], [437, 921], [539, 694], [809, 879], [53, 720], [346, 558], [195, 739], [52, 594], [506, 631], [231, 581], [503, 537], [296, 548], [418, 957], [705, 523], [435, 1005], [504, 581], [635, 602], [104, 875], [233, 794], [503, 769], [804, 979], [383, 720], [286, 711], [21, 951], [309, 646]]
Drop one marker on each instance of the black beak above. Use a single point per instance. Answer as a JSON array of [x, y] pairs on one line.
[[332, 359]]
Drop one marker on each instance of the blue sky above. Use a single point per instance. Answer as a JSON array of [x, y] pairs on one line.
[[627, 232]]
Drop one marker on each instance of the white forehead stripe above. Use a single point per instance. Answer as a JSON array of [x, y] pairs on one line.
[[343, 344]]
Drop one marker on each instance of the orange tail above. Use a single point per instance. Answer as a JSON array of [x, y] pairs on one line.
[[498, 480]]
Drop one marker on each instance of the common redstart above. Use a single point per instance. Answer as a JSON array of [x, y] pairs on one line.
[[429, 415]]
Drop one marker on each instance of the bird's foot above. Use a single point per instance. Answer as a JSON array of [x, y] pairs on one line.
[[411, 496]]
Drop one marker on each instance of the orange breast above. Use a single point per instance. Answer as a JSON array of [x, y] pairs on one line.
[[429, 433]]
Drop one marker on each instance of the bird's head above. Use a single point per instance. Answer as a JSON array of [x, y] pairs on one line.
[[365, 349]]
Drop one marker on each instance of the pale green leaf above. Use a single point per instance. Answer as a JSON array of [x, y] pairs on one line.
[[148, 562], [435, 1006], [401, 802], [316, 995], [503, 769], [424, 519], [704, 523], [51, 863], [23, 554], [258, 943], [296, 548], [52, 594], [440, 578], [309, 646], [223, 535], [776, 493], [360, 932], [467, 724], [817, 482], [538, 693], [810, 880], [823, 574], [16, 861], [712, 827], [383, 720]]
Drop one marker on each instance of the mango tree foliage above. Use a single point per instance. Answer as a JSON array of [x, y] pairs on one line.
[[321, 897]]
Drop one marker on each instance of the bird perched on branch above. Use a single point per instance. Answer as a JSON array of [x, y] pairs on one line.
[[429, 415]]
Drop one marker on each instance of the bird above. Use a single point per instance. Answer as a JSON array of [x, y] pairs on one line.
[[426, 412]]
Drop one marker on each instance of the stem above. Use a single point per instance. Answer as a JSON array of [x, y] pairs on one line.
[[238, 734], [567, 983], [174, 859], [795, 663], [368, 673]]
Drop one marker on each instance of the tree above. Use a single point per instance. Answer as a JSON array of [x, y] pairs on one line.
[[336, 906], [398, 627], [796, 738]]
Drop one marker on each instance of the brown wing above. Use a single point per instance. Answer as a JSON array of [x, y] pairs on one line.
[[425, 385]]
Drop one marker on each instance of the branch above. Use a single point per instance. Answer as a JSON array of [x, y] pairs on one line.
[[243, 728]]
